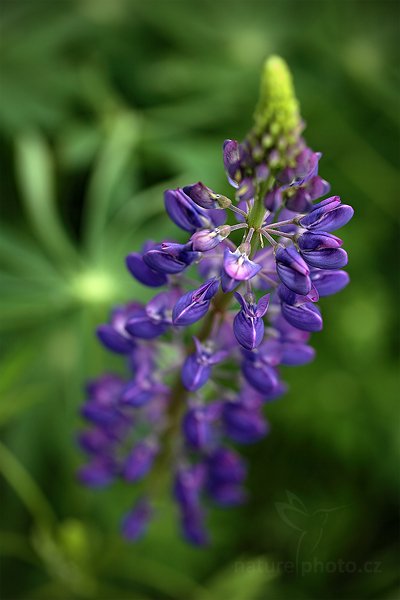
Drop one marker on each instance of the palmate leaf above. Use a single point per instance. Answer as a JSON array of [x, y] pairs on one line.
[[35, 170], [29, 301], [113, 163], [23, 256]]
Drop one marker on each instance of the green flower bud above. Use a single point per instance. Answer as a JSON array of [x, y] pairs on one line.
[[277, 112]]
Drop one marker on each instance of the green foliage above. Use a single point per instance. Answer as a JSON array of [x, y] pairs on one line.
[[104, 105]]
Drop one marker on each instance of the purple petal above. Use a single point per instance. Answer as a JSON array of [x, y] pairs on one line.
[[249, 331], [243, 425], [188, 484], [183, 211], [226, 466], [231, 153], [317, 187], [139, 461], [135, 522], [300, 201], [143, 272], [193, 526], [295, 353], [193, 305], [97, 474], [293, 270], [136, 394], [113, 340], [203, 196], [329, 282], [238, 265], [327, 258], [197, 428], [262, 377], [228, 284], [141, 326], [306, 316], [318, 240], [262, 305], [206, 239], [327, 215], [194, 373], [226, 494], [95, 441], [187, 311]]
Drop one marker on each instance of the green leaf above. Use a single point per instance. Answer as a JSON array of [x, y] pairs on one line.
[[242, 580], [35, 174]]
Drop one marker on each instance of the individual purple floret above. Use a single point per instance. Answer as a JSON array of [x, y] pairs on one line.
[[248, 325], [135, 522], [238, 301], [197, 367]]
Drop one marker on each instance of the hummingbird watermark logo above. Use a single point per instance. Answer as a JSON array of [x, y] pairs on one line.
[[310, 524]]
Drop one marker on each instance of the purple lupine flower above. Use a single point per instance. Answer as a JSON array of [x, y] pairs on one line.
[[246, 190], [248, 325], [205, 197], [294, 347], [306, 168], [322, 250], [183, 407], [193, 526], [113, 335], [261, 376], [101, 406], [188, 484], [136, 521], [273, 199], [141, 389], [98, 473], [226, 472], [184, 212], [296, 353], [328, 215], [300, 199], [170, 257], [243, 425], [96, 441], [154, 319], [139, 461], [293, 270], [299, 311], [207, 239], [238, 265], [198, 428], [187, 214], [197, 367], [211, 263], [194, 305], [329, 282], [141, 271], [232, 162]]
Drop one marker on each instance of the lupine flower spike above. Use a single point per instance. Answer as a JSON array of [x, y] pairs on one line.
[[202, 360]]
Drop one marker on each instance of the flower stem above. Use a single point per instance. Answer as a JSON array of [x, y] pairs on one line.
[[256, 216], [178, 398]]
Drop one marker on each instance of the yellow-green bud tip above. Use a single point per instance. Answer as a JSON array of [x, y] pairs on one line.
[[277, 111]]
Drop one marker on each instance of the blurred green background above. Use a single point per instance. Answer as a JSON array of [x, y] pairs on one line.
[[104, 104]]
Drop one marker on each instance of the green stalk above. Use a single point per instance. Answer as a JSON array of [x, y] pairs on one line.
[[26, 488], [255, 217]]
